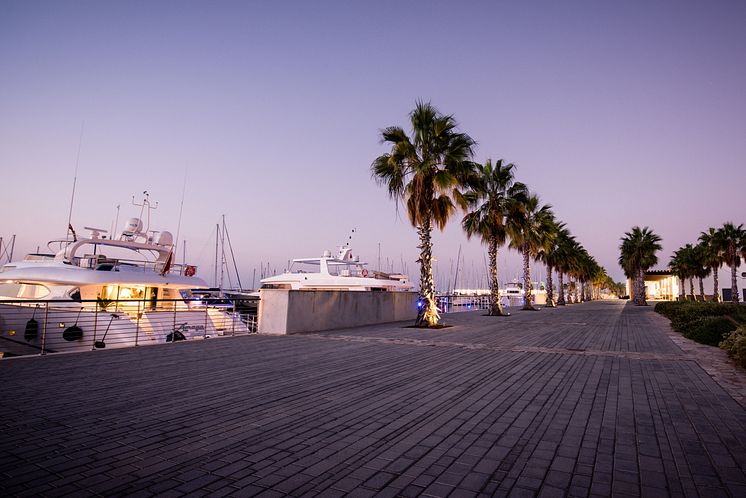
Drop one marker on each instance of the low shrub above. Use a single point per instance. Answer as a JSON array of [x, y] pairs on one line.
[[706, 323], [735, 345], [710, 330], [681, 313]]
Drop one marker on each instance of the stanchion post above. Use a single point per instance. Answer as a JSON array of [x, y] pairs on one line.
[[44, 330]]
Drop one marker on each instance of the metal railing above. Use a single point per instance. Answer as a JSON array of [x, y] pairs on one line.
[[457, 303], [41, 327]]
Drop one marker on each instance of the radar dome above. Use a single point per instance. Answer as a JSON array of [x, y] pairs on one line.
[[133, 226], [327, 254], [165, 239]]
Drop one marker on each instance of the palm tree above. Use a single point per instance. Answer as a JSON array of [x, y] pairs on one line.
[[426, 171], [494, 198], [601, 280], [731, 239], [688, 263], [637, 254], [578, 273], [593, 274], [679, 267], [550, 257], [713, 257], [565, 253], [701, 267], [530, 230]]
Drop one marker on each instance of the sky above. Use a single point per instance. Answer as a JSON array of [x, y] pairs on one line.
[[616, 113]]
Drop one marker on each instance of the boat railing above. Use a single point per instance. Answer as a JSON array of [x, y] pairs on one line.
[[115, 264], [30, 327]]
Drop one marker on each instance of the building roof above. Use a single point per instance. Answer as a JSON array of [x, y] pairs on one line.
[[665, 272]]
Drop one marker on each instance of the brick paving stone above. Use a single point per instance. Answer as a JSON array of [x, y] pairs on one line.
[[591, 399]]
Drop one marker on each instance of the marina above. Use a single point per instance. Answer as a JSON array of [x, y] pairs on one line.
[[591, 399], [545, 292]]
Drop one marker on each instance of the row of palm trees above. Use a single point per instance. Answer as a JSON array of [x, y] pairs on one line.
[[433, 174], [715, 247]]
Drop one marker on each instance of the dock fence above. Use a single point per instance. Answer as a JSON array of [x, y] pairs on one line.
[[41, 327]]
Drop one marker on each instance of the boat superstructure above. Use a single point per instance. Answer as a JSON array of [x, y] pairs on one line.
[[342, 271]]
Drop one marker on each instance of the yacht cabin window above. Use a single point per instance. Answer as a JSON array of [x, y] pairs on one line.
[[23, 291]]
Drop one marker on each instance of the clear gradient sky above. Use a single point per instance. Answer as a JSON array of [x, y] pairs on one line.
[[616, 113]]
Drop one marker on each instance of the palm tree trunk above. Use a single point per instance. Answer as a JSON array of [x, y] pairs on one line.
[[575, 290], [571, 290], [682, 289], [701, 289], [636, 288], [527, 296], [641, 287], [734, 284], [431, 317], [691, 288], [550, 288], [496, 308], [716, 290], [561, 285]]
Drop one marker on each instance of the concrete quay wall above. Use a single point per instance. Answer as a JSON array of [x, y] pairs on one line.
[[284, 311]]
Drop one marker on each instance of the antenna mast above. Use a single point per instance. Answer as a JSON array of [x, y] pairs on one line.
[[145, 204], [75, 181], [181, 210]]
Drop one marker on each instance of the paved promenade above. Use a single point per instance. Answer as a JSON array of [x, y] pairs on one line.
[[589, 400]]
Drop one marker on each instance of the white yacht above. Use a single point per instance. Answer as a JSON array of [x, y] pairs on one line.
[[98, 292], [340, 272], [515, 293]]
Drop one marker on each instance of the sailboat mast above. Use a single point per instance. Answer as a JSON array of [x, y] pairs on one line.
[[233, 256], [217, 241], [224, 270], [458, 261]]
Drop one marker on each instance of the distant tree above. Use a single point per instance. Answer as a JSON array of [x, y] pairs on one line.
[[713, 257], [550, 256], [565, 255], [689, 261], [578, 272], [701, 267], [679, 266], [493, 200], [731, 240], [426, 171], [637, 254], [531, 230]]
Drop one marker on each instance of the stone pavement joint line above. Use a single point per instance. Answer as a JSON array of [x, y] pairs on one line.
[[597, 399], [524, 349]]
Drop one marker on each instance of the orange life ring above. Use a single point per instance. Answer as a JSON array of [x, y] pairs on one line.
[[365, 272], [190, 270]]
